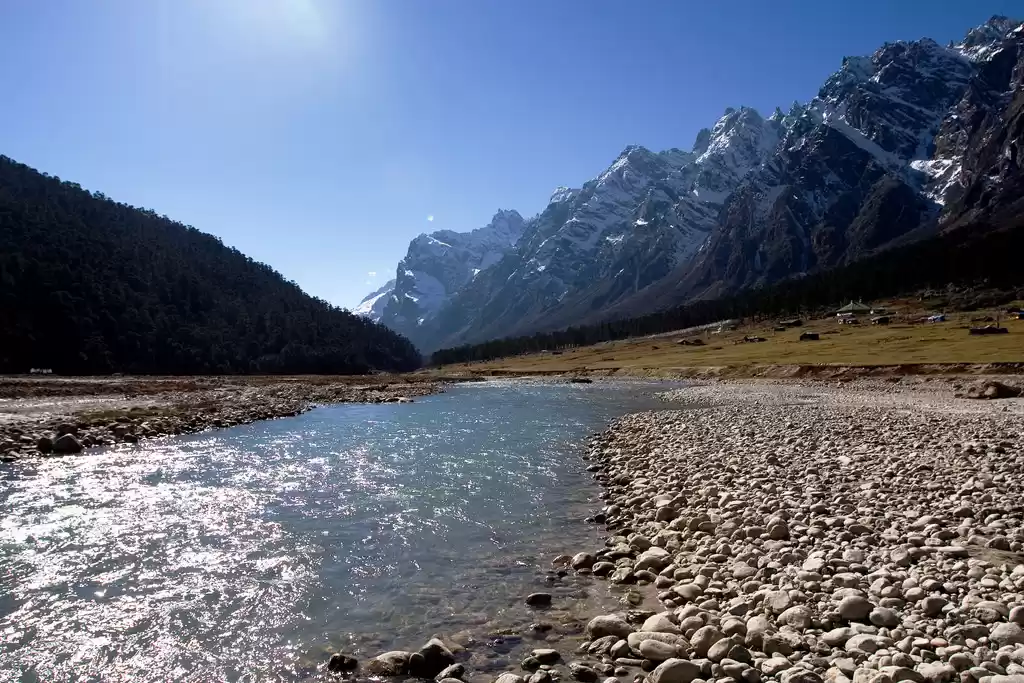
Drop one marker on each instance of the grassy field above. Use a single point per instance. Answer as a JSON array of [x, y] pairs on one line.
[[864, 345]]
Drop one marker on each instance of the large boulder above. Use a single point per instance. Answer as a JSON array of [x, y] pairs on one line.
[[342, 663], [798, 616], [855, 608], [509, 678], [455, 671], [1007, 634], [704, 638], [634, 639], [582, 672], [67, 444], [394, 663], [660, 623], [436, 657], [657, 651], [674, 671], [608, 625], [583, 561], [654, 558]]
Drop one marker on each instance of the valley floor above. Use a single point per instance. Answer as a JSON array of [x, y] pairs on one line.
[[37, 412], [906, 346]]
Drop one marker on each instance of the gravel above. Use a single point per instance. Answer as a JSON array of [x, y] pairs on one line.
[[803, 533]]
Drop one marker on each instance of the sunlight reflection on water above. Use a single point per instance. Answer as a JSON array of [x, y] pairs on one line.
[[250, 552]]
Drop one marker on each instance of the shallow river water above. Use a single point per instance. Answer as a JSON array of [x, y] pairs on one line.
[[250, 553]]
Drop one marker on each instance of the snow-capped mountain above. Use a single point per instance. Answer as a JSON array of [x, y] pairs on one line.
[[372, 305], [873, 160], [894, 147], [643, 217], [438, 265], [881, 156]]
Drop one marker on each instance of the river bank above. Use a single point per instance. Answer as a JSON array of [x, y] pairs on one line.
[[62, 416], [809, 532], [800, 532]]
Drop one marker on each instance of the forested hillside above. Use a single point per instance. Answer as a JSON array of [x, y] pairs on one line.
[[983, 255], [89, 285]]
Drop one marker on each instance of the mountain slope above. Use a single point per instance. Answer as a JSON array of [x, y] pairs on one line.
[[879, 158], [987, 133], [88, 285], [647, 214], [372, 305], [897, 146], [438, 265]]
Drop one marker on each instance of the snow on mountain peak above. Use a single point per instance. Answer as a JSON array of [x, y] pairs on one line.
[[372, 305], [440, 263], [891, 103], [562, 194], [737, 144], [981, 41]]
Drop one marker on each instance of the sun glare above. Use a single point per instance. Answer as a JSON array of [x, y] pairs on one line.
[[284, 23]]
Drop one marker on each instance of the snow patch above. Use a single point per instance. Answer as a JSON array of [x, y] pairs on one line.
[[940, 176], [835, 118]]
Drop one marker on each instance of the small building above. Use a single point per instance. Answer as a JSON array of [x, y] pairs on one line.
[[809, 336], [855, 308], [880, 320], [938, 318]]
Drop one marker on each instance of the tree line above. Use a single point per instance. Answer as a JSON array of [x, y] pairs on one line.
[[89, 285], [982, 256]]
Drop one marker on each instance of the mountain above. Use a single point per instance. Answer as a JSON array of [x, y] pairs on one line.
[[646, 215], [372, 305], [438, 265], [898, 146], [90, 285], [983, 142], [857, 170]]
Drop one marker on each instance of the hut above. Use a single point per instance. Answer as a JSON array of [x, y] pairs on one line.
[[854, 308]]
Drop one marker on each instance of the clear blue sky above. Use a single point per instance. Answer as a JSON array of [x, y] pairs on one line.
[[319, 135]]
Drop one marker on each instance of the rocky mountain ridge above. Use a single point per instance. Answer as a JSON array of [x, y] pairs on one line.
[[436, 266], [888, 151]]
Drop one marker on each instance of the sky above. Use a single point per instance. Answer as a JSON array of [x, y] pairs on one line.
[[320, 136]]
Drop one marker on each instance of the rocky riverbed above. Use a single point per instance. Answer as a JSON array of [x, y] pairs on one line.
[[866, 533], [58, 416]]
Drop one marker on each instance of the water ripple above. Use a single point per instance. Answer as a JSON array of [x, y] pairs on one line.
[[248, 553]]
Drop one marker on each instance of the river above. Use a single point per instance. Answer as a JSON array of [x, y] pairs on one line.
[[251, 553]]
